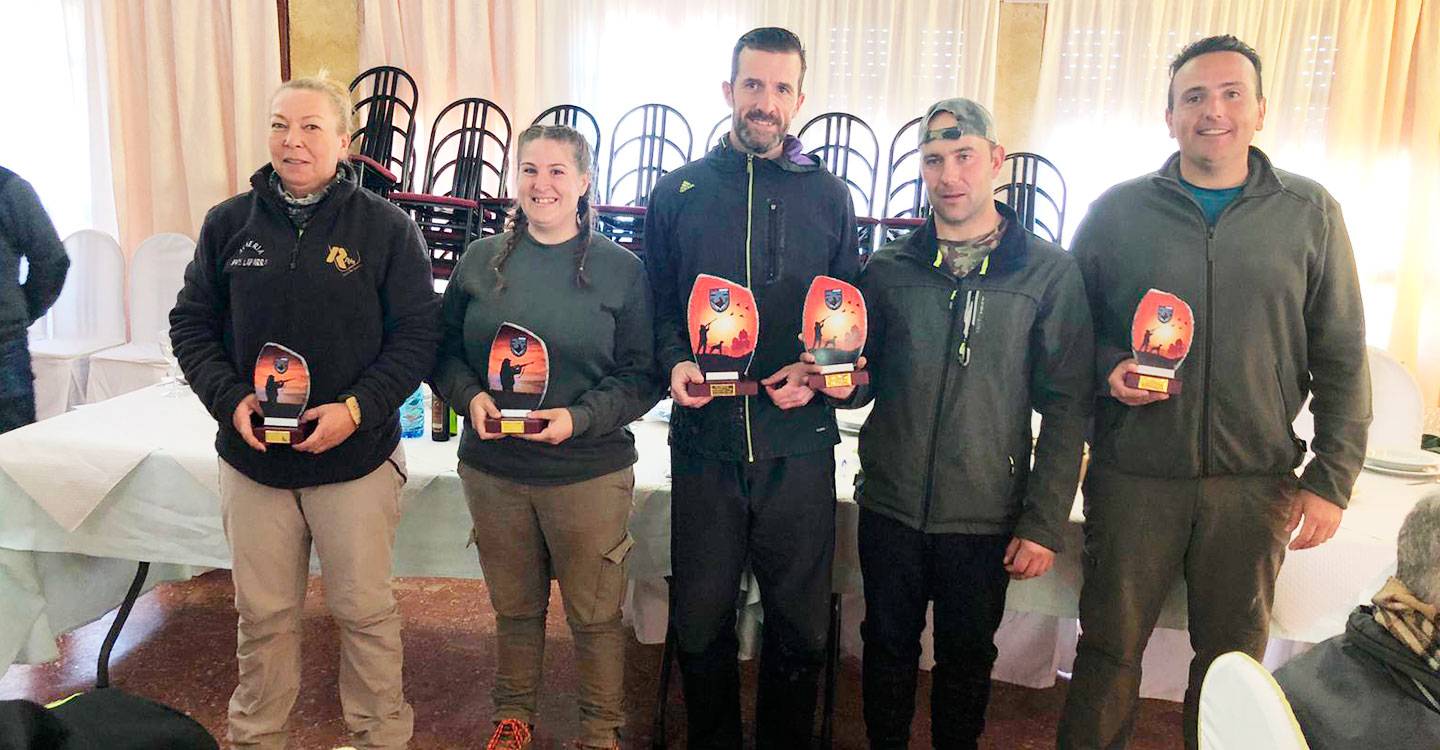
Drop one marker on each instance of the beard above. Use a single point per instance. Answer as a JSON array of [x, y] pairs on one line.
[[756, 142]]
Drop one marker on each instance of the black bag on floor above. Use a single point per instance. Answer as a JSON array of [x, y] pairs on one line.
[[105, 719]]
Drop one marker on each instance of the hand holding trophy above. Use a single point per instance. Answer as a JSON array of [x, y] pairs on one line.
[[724, 329], [836, 323], [282, 388], [1160, 337], [518, 375]]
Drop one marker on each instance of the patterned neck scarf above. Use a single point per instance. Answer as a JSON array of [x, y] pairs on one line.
[[1410, 620], [960, 258], [301, 209]]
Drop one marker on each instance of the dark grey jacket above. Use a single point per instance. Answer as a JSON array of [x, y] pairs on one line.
[[1277, 316], [26, 232], [947, 447], [1363, 689]]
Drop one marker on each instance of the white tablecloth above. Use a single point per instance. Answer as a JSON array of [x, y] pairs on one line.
[[134, 478]]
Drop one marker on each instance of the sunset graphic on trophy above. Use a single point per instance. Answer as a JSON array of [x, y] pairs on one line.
[[1160, 337], [724, 327], [834, 325], [282, 385], [517, 376]]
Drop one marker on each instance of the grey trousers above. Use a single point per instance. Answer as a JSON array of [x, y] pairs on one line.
[[1226, 537]]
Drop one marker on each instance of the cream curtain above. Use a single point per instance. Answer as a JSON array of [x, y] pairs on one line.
[[884, 61], [60, 142], [1343, 82], [189, 87]]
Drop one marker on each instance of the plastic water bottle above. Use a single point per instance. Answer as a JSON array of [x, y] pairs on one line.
[[412, 415]]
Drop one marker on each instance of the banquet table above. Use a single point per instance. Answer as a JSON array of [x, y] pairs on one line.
[[86, 495]]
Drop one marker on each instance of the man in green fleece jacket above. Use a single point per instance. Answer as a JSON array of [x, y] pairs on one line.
[[1201, 483]]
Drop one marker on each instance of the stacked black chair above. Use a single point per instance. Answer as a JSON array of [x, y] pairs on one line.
[[849, 149], [384, 144], [647, 142], [722, 127], [1036, 190], [905, 203], [464, 192]]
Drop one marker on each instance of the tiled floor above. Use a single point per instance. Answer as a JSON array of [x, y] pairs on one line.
[[178, 648]]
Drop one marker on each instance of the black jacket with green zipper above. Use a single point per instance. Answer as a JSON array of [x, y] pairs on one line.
[[1278, 316], [957, 366], [772, 225], [352, 294]]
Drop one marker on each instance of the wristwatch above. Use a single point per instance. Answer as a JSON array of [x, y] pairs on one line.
[[353, 405]]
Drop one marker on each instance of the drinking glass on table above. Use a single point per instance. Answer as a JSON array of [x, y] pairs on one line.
[[172, 379]]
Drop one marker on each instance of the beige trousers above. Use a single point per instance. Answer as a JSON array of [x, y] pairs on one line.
[[352, 525]]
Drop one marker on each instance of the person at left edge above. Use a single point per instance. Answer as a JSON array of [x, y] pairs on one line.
[[752, 478], [25, 233], [308, 259]]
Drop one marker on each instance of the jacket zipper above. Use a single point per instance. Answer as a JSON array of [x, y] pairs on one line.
[[749, 220], [295, 251], [1209, 327], [939, 408], [1205, 436]]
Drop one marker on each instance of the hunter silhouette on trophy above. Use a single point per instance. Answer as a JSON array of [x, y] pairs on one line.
[[509, 372], [272, 388], [819, 336]]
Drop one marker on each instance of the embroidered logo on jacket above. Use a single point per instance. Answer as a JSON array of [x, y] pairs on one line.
[[686, 185], [250, 256], [343, 261]]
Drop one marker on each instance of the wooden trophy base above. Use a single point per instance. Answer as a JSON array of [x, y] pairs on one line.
[[515, 425], [1153, 383], [282, 434], [838, 379], [722, 388]]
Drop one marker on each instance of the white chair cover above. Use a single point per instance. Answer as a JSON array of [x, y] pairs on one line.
[[1242, 708], [88, 316], [1398, 404], [157, 271]]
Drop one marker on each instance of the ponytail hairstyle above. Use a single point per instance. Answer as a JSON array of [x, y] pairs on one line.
[[518, 223]]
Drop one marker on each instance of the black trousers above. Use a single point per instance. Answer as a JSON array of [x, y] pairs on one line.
[[777, 516], [904, 569]]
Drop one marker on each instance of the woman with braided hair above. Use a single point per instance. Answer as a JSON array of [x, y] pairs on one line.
[[559, 500]]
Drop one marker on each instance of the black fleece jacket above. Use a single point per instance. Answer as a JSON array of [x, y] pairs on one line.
[[352, 294]]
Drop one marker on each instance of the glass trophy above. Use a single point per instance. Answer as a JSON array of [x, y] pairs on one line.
[[517, 376], [282, 384], [834, 324], [724, 328], [1160, 337]]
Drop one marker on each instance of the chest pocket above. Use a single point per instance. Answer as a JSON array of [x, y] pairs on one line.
[[774, 253]]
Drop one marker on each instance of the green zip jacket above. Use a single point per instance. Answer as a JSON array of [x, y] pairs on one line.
[[957, 366], [1278, 316]]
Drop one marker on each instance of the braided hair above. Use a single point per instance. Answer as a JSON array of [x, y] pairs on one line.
[[518, 223]]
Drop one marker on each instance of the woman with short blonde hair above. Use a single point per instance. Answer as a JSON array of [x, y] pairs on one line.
[[340, 278]]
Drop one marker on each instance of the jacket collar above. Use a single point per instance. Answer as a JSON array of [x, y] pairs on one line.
[[792, 158], [1262, 178], [260, 184], [920, 245]]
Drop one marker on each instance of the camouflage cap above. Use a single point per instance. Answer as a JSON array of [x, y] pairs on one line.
[[971, 119]]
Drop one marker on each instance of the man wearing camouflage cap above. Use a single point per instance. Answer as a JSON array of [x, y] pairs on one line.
[[974, 322]]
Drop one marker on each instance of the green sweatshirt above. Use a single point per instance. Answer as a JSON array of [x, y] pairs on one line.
[[601, 346]]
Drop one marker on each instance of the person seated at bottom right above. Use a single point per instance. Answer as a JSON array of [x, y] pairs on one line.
[[1377, 685]]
